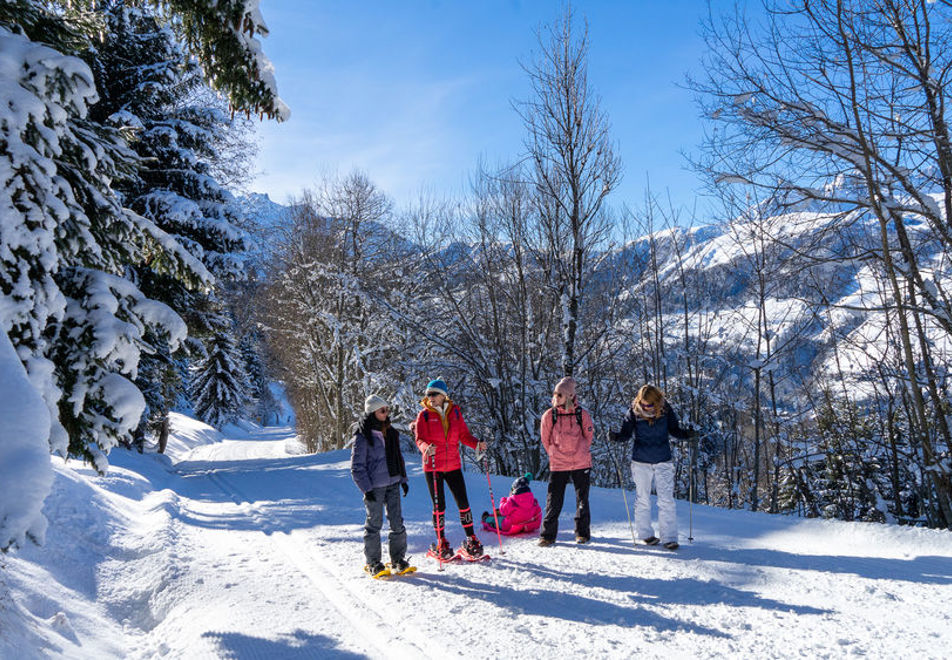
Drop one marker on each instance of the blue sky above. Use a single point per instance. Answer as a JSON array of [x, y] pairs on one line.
[[415, 92]]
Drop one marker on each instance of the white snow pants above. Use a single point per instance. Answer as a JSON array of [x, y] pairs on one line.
[[663, 476]]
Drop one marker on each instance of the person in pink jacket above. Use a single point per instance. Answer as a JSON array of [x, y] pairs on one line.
[[567, 432], [518, 513]]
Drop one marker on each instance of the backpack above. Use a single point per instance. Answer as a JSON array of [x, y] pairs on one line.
[[556, 414]]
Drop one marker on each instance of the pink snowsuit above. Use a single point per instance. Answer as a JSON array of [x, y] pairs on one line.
[[517, 514]]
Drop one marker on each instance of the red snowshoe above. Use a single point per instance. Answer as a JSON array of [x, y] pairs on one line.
[[472, 550]]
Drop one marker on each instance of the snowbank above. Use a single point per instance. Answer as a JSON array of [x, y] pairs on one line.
[[25, 473]]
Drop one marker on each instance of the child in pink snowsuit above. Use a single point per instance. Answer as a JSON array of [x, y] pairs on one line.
[[520, 512]]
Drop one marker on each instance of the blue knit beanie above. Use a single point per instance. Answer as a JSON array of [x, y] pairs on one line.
[[437, 386]]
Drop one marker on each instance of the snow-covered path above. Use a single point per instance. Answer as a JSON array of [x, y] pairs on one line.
[[239, 550]]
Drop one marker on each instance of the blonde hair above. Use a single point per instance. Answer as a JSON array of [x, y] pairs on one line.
[[649, 394]]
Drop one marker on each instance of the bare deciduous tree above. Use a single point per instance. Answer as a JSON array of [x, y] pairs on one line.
[[332, 340], [574, 168], [842, 103]]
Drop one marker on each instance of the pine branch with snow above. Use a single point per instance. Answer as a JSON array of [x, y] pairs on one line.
[[220, 385]]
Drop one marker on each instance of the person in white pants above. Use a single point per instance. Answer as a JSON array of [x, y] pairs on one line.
[[651, 421], [662, 474]]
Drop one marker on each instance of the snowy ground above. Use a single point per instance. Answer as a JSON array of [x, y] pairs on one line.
[[236, 549]]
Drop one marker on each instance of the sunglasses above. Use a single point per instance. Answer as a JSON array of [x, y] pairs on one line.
[[647, 405], [558, 394], [384, 410], [433, 394]]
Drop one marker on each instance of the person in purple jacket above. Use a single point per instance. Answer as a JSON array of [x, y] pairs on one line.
[[650, 421], [378, 469]]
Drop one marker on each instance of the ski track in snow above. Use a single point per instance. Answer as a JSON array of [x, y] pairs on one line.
[[322, 576], [239, 550]]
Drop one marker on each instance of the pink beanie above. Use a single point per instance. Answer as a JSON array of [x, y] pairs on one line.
[[567, 387]]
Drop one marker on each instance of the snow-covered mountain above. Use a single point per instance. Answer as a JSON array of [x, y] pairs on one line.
[[265, 212], [264, 220], [235, 547], [810, 274], [805, 268], [267, 220]]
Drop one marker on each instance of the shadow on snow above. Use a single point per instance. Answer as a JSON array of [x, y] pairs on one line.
[[297, 645], [556, 604]]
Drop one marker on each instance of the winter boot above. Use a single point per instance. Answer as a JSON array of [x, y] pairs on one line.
[[545, 543], [651, 540], [377, 571], [472, 547], [442, 550], [671, 545], [401, 567]]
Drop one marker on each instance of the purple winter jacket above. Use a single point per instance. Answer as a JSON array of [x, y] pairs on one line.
[[369, 465]]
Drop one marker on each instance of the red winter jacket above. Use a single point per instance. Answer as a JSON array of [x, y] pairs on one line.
[[568, 444], [446, 433]]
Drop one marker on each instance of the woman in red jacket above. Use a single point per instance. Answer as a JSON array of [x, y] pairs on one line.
[[567, 437], [439, 430]]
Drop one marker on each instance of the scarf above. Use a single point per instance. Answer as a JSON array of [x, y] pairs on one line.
[[443, 411], [395, 463], [652, 417]]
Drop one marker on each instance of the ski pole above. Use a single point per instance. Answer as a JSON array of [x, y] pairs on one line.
[[621, 482], [436, 516], [691, 493], [492, 500]]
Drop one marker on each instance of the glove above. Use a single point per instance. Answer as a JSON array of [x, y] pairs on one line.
[[369, 495], [406, 488], [613, 436]]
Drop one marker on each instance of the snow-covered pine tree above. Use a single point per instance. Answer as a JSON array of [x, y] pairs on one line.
[[76, 324], [148, 86], [219, 385], [846, 478], [222, 35], [37, 89], [66, 29], [265, 405]]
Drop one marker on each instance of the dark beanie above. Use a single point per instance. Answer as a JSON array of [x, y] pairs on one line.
[[521, 485]]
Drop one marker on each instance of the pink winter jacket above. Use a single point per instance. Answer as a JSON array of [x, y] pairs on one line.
[[567, 444], [517, 514]]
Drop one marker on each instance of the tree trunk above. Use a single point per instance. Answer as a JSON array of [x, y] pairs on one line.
[[754, 497], [164, 434]]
